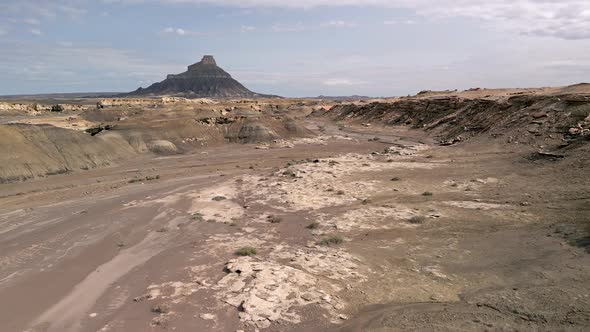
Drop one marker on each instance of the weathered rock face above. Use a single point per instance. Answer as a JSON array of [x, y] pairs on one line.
[[16, 108], [520, 118], [202, 79]]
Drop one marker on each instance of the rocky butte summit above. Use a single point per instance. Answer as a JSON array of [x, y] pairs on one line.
[[202, 79]]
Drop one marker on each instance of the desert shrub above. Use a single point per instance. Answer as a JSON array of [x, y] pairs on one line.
[[427, 193], [395, 179], [313, 225], [219, 198], [246, 251], [580, 112], [416, 220], [162, 308], [147, 178], [57, 108], [331, 240], [274, 219], [197, 216]]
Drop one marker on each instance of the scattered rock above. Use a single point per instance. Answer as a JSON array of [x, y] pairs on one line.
[[207, 316]]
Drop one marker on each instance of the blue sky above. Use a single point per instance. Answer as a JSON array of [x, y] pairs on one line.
[[295, 48]]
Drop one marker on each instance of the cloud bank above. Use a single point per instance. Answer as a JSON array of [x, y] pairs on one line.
[[565, 19]]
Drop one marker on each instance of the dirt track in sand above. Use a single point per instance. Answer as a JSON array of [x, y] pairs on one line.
[[496, 247]]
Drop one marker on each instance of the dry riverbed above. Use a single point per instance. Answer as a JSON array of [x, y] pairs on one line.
[[330, 233]]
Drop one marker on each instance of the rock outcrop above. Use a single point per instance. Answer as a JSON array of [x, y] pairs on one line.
[[201, 80], [522, 118]]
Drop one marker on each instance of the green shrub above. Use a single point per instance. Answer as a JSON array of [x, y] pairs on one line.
[[57, 108], [246, 251], [197, 216], [331, 240]]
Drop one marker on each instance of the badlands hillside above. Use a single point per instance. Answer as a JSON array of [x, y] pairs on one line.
[[446, 211]]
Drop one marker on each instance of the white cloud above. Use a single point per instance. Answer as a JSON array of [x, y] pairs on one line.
[[71, 11], [181, 32], [342, 81], [32, 21], [36, 32], [298, 27], [247, 28], [51, 67], [35, 10], [396, 22], [566, 19], [338, 24], [280, 27]]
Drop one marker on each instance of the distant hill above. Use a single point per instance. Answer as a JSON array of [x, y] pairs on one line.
[[343, 98], [203, 79]]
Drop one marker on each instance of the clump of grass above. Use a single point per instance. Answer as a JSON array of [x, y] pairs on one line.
[[197, 216], [395, 179], [427, 193], [416, 220], [313, 225], [162, 308], [219, 198], [246, 251], [331, 240], [147, 178], [274, 219]]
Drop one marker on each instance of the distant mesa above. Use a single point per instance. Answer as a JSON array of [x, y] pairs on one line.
[[203, 79]]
